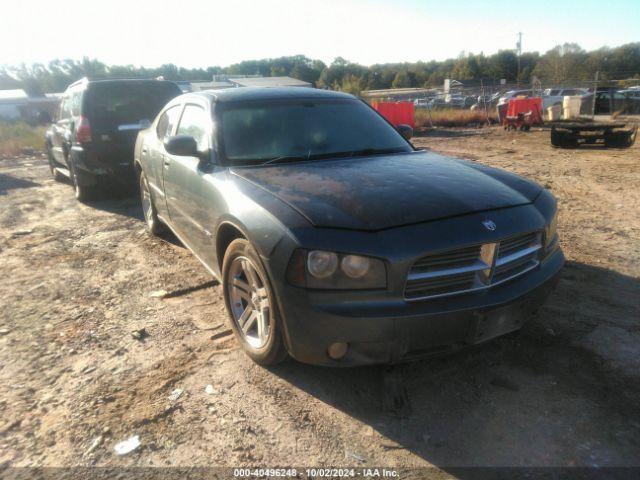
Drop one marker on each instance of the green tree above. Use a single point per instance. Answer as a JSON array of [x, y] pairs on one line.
[[564, 62], [401, 80]]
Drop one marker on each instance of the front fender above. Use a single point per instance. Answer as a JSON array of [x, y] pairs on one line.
[[274, 243], [262, 217], [262, 231]]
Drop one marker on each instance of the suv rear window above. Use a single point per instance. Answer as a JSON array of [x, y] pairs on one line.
[[127, 102]]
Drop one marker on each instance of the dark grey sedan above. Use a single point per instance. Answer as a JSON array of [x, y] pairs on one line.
[[336, 242]]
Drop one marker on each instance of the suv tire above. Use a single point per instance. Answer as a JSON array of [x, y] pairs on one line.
[[57, 176], [81, 192]]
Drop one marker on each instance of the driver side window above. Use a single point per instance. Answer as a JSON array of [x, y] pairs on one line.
[[194, 124]]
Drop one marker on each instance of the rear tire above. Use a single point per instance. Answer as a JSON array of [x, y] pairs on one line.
[[251, 304], [82, 193], [153, 223]]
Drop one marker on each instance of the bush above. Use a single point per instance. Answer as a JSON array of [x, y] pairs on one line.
[[453, 117], [15, 138]]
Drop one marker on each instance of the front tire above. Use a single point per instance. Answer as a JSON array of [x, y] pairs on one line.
[[251, 305], [57, 176]]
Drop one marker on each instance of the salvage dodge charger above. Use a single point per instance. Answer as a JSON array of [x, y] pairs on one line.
[[335, 241]]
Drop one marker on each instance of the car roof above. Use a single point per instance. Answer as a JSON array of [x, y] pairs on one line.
[[242, 94], [129, 81]]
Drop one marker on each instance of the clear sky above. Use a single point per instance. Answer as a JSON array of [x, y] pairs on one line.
[[198, 33]]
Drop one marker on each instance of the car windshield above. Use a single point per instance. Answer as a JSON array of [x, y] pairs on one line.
[[254, 133]]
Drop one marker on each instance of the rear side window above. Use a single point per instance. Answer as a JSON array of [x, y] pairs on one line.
[[167, 122], [65, 107], [194, 124], [127, 102]]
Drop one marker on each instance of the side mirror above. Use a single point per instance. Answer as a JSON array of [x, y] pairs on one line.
[[405, 130], [182, 145]]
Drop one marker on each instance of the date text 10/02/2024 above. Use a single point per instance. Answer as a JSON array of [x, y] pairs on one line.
[[315, 473]]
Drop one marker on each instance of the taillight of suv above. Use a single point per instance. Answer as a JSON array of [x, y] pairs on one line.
[[83, 131]]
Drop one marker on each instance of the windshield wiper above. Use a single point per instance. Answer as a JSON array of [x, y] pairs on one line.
[[365, 152], [353, 153]]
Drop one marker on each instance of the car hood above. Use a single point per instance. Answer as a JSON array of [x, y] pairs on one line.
[[380, 192]]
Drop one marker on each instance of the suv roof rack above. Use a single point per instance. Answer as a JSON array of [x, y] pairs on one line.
[[88, 79], [78, 82]]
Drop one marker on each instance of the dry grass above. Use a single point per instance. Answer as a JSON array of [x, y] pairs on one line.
[[16, 138], [453, 118]]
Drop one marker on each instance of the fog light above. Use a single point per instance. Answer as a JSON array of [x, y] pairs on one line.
[[337, 350]]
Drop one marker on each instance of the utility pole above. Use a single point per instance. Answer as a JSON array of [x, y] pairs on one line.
[[519, 52], [595, 93]]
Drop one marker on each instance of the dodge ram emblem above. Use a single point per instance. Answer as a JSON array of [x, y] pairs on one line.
[[489, 225]]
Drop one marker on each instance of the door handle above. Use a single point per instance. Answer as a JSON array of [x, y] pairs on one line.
[[144, 151], [167, 163]]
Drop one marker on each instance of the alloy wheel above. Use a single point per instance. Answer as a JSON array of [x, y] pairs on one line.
[[249, 301]]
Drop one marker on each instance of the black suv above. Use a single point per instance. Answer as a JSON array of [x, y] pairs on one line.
[[93, 139], [609, 101]]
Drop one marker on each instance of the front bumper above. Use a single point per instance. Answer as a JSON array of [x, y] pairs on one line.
[[393, 332]]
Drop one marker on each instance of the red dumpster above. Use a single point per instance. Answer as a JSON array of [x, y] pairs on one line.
[[531, 107], [396, 113]]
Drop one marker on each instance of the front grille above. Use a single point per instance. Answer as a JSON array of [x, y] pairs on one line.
[[472, 268], [445, 284], [448, 260], [515, 244]]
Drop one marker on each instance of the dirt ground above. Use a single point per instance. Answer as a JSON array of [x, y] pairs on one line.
[[77, 280]]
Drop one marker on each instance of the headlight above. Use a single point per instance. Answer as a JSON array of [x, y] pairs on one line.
[[322, 264], [355, 266], [329, 270]]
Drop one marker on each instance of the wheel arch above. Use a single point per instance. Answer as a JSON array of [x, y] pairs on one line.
[[226, 233], [137, 167], [230, 229]]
